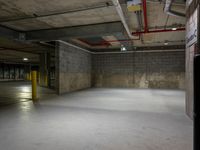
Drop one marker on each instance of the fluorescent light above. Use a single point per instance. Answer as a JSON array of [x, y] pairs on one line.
[[25, 59], [174, 29]]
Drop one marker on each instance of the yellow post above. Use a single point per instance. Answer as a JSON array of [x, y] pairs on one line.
[[34, 84]]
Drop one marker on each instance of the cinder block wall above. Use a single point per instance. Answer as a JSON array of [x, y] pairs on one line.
[[192, 48], [139, 70], [73, 68]]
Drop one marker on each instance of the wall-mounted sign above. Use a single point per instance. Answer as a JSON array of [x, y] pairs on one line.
[[134, 5], [191, 27]]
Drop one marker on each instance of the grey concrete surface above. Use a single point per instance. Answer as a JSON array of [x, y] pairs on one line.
[[99, 119], [20, 91], [139, 70], [73, 68]]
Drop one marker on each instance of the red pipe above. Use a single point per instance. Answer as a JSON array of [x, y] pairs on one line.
[[106, 43], [158, 31], [146, 30], [145, 16]]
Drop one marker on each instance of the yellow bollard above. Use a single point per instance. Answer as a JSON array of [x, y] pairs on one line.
[[34, 84]]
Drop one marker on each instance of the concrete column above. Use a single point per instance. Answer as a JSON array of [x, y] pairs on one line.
[[192, 45], [72, 68], [44, 74], [57, 68], [34, 85], [27, 71]]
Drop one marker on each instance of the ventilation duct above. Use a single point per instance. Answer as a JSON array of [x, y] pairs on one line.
[[168, 10], [122, 17]]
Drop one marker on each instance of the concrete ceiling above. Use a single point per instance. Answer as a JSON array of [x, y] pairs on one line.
[[17, 56], [15, 51], [24, 8], [45, 14], [66, 20], [23, 15]]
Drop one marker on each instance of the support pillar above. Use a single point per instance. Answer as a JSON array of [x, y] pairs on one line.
[[44, 74], [34, 85], [72, 67], [27, 72]]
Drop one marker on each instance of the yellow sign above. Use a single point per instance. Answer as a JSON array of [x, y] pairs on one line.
[[134, 8]]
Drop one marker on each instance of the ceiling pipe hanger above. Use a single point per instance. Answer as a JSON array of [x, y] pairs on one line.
[[169, 11], [122, 17], [146, 30]]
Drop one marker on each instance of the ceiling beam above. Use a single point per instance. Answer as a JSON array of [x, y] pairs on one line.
[[103, 29], [20, 50], [8, 33], [143, 48], [127, 44], [56, 13], [37, 16]]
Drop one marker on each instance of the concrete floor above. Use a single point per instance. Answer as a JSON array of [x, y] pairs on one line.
[[98, 119], [15, 92]]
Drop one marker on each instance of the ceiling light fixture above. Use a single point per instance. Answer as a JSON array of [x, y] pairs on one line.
[[174, 29], [25, 59], [166, 43], [123, 48]]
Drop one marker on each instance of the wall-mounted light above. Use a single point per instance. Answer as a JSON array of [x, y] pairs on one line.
[[123, 48], [174, 29], [166, 43], [25, 59]]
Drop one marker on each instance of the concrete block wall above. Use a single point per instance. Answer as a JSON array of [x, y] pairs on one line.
[[77, 69], [139, 70], [192, 48], [73, 68], [190, 52]]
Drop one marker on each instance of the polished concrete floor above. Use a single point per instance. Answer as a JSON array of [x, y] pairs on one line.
[[15, 92], [98, 119]]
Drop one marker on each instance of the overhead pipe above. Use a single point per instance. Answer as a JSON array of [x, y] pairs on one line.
[[168, 10], [146, 30], [140, 23], [162, 1], [144, 4], [139, 20], [158, 31], [122, 17]]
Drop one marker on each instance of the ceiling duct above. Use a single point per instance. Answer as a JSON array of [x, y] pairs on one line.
[[122, 17], [168, 10]]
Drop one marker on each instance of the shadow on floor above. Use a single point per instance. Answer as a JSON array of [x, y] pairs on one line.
[[15, 92]]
